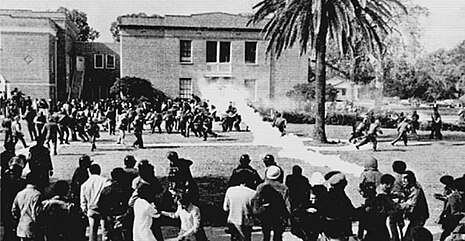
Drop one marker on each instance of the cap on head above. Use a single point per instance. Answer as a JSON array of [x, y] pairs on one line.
[[244, 160], [269, 160], [273, 172], [446, 180], [337, 179], [172, 155]]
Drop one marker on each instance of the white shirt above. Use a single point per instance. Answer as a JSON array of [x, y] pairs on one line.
[[238, 201], [143, 214], [90, 192], [190, 220]]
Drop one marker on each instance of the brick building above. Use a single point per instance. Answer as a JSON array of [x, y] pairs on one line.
[[40, 56], [177, 53]]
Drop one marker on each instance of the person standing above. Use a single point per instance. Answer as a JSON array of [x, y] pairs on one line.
[[436, 124], [11, 185], [180, 176], [39, 122], [238, 202], [50, 132], [272, 204], [244, 170], [415, 124], [338, 210], [123, 126], [40, 162], [89, 196], [26, 208], [59, 214], [138, 129], [31, 126], [6, 124], [18, 131], [144, 213], [415, 205], [453, 210]]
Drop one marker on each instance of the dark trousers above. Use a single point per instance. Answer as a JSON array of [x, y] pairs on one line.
[[272, 225], [368, 138], [436, 132], [403, 136], [240, 232], [414, 224], [139, 141], [19, 137], [31, 127]]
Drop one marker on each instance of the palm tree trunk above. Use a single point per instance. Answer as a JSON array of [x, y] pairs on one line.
[[319, 133]]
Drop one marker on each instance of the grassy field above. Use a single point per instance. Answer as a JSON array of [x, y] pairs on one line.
[[215, 159]]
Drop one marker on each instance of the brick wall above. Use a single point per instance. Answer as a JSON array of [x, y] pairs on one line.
[[25, 62], [153, 54]]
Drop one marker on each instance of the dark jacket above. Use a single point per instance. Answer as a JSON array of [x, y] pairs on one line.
[[251, 176]]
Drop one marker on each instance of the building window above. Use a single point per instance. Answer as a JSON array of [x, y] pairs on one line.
[[250, 52], [98, 61], [185, 88], [110, 63], [218, 52], [251, 87], [185, 51]]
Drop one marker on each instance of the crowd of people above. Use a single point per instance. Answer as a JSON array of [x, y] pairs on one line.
[[133, 203], [62, 122]]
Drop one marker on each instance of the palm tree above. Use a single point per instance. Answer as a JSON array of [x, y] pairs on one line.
[[312, 22]]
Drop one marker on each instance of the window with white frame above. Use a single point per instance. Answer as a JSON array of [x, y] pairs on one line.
[[218, 52], [250, 52], [251, 87], [110, 61], [185, 52], [98, 61], [185, 88]]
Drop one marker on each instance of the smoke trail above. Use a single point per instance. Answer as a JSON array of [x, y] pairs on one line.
[[264, 134]]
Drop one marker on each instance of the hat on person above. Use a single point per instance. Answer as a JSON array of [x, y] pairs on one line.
[[446, 180], [337, 179], [268, 160], [317, 179], [273, 172]]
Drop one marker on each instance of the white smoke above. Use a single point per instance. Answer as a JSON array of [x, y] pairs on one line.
[[291, 146]]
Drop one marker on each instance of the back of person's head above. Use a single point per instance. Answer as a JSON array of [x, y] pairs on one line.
[[130, 161], [399, 166], [368, 189], [297, 170], [146, 171], [146, 192], [244, 160], [338, 181], [268, 160], [459, 184], [241, 177], [371, 164], [95, 169], [273, 173], [387, 179], [84, 161], [421, 234], [15, 171], [447, 180], [410, 176], [328, 175], [172, 155], [61, 188], [118, 175]]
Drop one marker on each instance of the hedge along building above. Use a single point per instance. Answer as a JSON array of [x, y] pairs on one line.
[[40, 56], [177, 53]]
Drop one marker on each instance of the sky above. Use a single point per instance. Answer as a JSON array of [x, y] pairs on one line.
[[443, 28]]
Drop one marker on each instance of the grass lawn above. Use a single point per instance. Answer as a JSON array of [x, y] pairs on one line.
[[214, 163]]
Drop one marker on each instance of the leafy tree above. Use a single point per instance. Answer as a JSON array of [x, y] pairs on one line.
[[115, 29], [134, 88], [311, 22], [306, 91], [86, 33]]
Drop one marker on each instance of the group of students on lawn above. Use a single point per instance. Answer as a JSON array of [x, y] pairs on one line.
[[133, 204]]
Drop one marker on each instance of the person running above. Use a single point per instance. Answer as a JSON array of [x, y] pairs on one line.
[[359, 130], [373, 131], [94, 132], [17, 131], [402, 129], [50, 132], [280, 123]]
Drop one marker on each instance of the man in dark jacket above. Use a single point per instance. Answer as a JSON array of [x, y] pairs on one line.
[[40, 162], [415, 205], [244, 170], [180, 176], [50, 132], [272, 205]]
